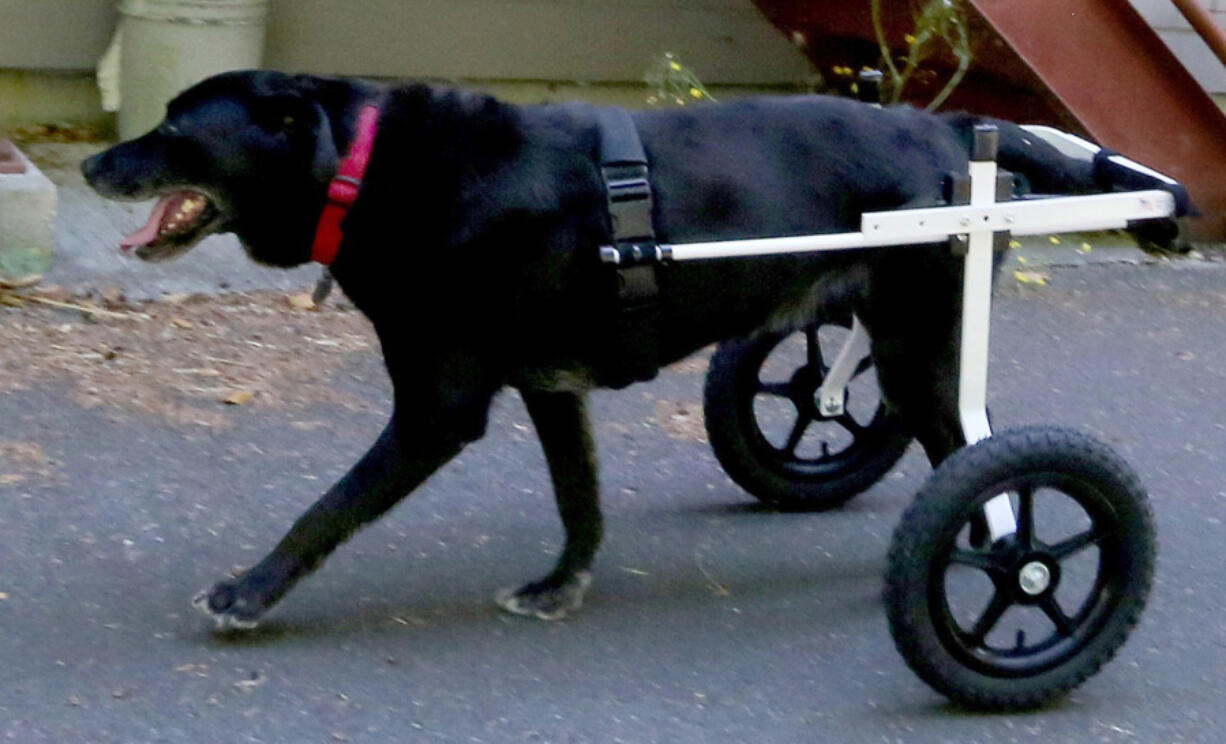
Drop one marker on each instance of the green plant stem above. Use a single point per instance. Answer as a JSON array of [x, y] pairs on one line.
[[964, 62], [879, 31]]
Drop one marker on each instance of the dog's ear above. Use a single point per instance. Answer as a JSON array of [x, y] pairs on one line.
[[291, 114], [303, 123]]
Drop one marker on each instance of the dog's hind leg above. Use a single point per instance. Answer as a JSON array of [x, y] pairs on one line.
[[913, 313], [392, 468], [562, 424]]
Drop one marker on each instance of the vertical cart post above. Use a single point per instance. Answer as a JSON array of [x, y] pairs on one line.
[[977, 290], [979, 243]]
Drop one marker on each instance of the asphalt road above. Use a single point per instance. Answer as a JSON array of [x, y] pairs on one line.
[[710, 620]]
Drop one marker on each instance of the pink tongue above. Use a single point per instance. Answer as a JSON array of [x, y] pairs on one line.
[[146, 234]]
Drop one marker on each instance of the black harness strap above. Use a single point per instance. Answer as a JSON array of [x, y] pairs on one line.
[[634, 355]]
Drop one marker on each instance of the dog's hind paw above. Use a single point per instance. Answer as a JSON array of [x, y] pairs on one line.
[[228, 608], [546, 600]]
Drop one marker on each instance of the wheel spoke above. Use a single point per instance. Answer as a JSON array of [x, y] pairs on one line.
[[813, 348], [981, 559], [798, 433], [1025, 516], [1074, 544], [852, 426], [995, 609], [1064, 624], [778, 389]]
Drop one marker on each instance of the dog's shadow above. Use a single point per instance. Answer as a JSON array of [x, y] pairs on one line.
[[681, 585], [846, 588]]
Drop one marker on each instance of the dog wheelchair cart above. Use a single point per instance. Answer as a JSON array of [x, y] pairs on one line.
[[1027, 557]]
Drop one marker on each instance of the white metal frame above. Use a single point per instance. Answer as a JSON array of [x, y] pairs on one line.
[[976, 224], [831, 396]]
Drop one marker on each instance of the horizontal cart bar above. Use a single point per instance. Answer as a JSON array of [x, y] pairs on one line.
[[1035, 216]]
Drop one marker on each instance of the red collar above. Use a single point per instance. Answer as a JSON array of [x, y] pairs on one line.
[[343, 190]]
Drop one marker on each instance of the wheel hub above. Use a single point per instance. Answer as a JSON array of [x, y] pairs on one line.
[[1034, 578], [803, 388]]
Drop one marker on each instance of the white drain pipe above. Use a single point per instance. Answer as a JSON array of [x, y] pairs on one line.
[[169, 45]]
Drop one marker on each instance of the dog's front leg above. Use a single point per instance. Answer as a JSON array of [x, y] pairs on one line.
[[562, 424], [393, 467]]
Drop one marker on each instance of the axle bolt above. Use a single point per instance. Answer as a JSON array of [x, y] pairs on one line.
[[1034, 578]]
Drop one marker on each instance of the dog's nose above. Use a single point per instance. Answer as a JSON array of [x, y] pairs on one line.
[[90, 167]]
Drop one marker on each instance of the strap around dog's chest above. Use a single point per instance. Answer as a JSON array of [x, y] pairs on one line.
[[623, 166], [633, 253]]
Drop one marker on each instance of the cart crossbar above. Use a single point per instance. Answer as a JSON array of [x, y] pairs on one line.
[[1034, 216]]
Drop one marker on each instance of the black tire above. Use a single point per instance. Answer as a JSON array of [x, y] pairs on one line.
[[931, 554], [781, 475]]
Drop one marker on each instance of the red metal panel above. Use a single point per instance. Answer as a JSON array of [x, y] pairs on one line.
[[1113, 73], [1092, 67]]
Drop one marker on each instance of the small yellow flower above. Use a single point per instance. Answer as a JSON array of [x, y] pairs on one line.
[[1054, 240], [910, 39], [1023, 260], [1015, 244], [1086, 248], [675, 66], [696, 93]]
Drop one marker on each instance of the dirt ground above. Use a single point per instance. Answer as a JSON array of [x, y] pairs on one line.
[[191, 358], [187, 358]]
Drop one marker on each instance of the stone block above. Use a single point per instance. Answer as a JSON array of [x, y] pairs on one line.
[[27, 219]]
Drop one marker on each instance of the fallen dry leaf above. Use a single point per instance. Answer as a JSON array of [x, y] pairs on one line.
[[302, 301], [181, 323], [21, 282], [680, 420], [255, 680], [238, 398], [1031, 277]]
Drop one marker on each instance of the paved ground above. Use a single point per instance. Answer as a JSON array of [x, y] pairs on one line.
[[711, 620], [126, 485]]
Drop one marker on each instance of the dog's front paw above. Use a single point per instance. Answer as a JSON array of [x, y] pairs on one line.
[[233, 604], [548, 599]]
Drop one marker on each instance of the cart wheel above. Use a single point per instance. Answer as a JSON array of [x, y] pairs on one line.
[[762, 417], [1018, 622]]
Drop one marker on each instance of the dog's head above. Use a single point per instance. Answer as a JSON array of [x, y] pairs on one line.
[[244, 152]]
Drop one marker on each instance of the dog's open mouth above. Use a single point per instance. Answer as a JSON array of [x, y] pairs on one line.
[[179, 221]]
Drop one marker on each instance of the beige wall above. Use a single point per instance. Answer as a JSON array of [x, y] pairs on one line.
[[54, 34], [725, 41]]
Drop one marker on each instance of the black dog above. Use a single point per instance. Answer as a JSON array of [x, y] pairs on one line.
[[473, 248]]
